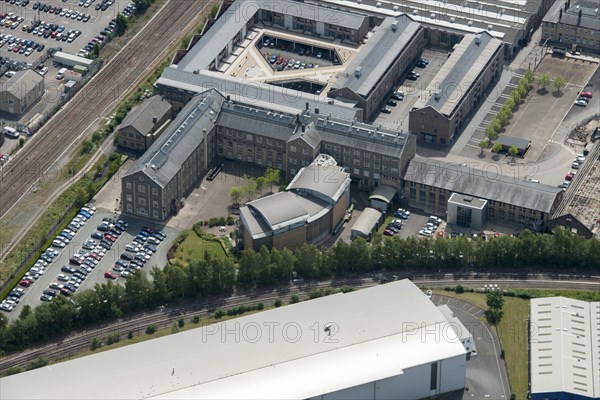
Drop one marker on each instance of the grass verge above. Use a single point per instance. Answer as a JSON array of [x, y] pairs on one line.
[[195, 247]]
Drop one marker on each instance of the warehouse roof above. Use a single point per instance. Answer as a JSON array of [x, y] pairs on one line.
[[141, 116], [21, 83], [486, 184], [377, 56], [565, 347], [366, 221], [163, 160], [456, 77], [239, 13], [467, 201], [509, 141], [267, 355], [589, 16]]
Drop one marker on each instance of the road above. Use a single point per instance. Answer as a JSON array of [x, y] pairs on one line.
[[93, 101], [165, 316]]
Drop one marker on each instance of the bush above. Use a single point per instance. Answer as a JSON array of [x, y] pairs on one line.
[[174, 328], [21, 142], [195, 319], [294, 299], [260, 306], [219, 314], [181, 322], [13, 371], [37, 363], [151, 329], [130, 335], [114, 338], [230, 220], [459, 289], [278, 302], [96, 344]]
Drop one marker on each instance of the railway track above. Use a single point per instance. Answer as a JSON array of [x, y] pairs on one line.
[[32, 163], [165, 317]]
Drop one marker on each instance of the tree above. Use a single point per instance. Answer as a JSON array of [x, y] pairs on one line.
[[544, 80], [138, 290], [273, 176], [261, 183], [513, 151], [559, 83], [494, 299], [496, 148], [483, 144], [528, 76], [96, 50], [236, 193], [25, 312], [249, 190], [121, 24], [490, 133], [494, 315], [516, 96]]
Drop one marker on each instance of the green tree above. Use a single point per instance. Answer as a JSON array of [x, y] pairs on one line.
[[250, 190], [273, 176], [138, 290], [494, 315], [544, 80], [495, 123], [510, 104], [516, 96], [483, 144], [496, 148], [490, 133], [513, 151], [25, 312], [559, 83], [504, 117], [494, 299], [261, 183], [529, 76], [121, 24], [96, 344], [278, 302], [177, 281], [160, 289], [236, 194]]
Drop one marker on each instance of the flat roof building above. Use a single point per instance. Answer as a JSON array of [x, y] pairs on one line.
[[389, 341], [564, 349], [522, 145], [443, 109]]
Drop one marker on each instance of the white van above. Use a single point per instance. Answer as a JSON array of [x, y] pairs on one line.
[[61, 73], [10, 132]]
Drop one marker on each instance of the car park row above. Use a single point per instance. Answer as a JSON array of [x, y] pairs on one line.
[[398, 94]]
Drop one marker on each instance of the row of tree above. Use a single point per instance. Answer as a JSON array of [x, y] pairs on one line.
[[254, 186], [212, 276]]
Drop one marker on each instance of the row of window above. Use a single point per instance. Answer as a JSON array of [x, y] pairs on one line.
[[141, 211], [140, 188]]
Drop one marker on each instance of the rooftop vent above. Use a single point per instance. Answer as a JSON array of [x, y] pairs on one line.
[[437, 95], [378, 5], [358, 72], [395, 25], [470, 23], [490, 27], [468, 199], [432, 16], [452, 19], [395, 8], [415, 12], [478, 39]]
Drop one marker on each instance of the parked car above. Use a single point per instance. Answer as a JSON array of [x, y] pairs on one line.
[[386, 110], [586, 94], [391, 103], [110, 275], [581, 103]]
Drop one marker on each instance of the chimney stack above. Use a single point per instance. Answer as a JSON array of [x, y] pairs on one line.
[[303, 128], [154, 120], [307, 106], [316, 110], [579, 16], [560, 15]]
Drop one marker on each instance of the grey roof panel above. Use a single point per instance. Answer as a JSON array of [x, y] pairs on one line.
[[378, 55], [465, 179], [384, 193], [513, 141], [278, 209], [140, 117], [366, 221], [324, 179], [21, 83]]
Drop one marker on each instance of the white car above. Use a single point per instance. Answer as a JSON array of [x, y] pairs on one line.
[[429, 294], [10, 74], [58, 243], [6, 307], [581, 103], [63, 277], [426, 232], [125, 274]]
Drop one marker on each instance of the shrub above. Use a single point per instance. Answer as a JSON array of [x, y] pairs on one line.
[[37, 363], [459, 289], [151, 329], [278, 302], [130, 335], [13, 371], [195, 319], [114, 338], [260, 306], [174, 328], [95, 344], [294, 299], [219, 314], [181, 322], [230, 220]]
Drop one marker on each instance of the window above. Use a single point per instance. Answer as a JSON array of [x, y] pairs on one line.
[[155, 204], [141, 188], [141, 201], [129, 207], [128, 185], [154, 192], [433, 384], [248, 137], [128, 198], [259, 139], [292, 148], [155, 214], [305, 151]]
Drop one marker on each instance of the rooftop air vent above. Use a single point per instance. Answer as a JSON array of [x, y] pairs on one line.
[[358, 72], [395, 8], [378, 5], [432, 16], [437, 95], [478, 39], [395, 25], [490, 27], [415, 12], [452, 19], [470, 23]]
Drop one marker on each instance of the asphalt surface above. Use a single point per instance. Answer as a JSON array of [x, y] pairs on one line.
[[33, 293], [486, 372]]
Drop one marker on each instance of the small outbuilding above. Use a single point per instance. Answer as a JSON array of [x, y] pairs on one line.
[[144, 123], [509, 141], [382, 197], [21, 92], [366, 223]]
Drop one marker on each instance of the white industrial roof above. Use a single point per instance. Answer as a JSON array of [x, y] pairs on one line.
[[565, 346], [366, 221], [375, 333]]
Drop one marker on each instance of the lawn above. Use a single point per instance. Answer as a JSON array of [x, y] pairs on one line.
[[194, 248]]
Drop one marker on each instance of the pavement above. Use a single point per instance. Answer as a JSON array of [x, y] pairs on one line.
[[486, 372]]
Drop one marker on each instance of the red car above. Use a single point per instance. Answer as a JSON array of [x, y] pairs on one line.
[[586, 94], [110, 237], [110, 275], [95, 256], [25, 283], [568, 177]]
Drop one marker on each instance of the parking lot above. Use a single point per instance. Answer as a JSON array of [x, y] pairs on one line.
[[31, 295], [98, 20], [398, 118]]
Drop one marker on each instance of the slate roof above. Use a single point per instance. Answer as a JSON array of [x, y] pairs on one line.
[[488, 184], [21, 83], [140, 117]]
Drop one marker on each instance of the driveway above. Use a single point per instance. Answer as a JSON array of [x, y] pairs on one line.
[[486, 373]]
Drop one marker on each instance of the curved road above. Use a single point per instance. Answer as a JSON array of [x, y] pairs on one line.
[[164, 317], [93, 100]]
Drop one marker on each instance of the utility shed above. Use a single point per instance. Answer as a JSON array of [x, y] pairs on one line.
[[70, 60], [382, 197], [366, 223], [508, 141]]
